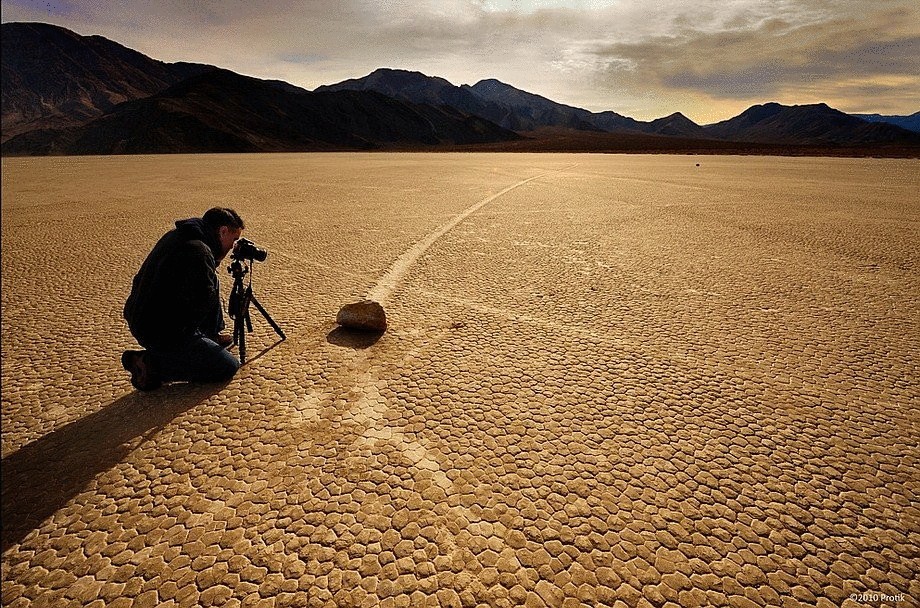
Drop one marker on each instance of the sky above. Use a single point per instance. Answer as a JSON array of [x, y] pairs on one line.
[[709, 59]]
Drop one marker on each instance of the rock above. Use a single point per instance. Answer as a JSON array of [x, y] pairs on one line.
[[366, 315]]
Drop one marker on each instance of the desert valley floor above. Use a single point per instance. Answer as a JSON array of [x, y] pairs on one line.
[[608, 380]]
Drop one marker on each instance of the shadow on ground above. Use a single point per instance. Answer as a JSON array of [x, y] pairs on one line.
[[353, 338], [43, 476], [250, 358]]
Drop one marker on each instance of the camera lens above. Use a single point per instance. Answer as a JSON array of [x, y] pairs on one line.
[[247, 250]]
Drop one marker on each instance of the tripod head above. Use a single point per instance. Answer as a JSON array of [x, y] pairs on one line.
[[238, 269]]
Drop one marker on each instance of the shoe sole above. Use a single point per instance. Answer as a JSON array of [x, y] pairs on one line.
[[133, 362]]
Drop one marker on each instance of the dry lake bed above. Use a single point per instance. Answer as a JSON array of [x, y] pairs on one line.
[[608, 381]]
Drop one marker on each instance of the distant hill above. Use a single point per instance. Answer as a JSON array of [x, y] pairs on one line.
[[221, 111], [523, 111], [815, 124], [676, 125], [52, 77], [414, 87], [911, 123]]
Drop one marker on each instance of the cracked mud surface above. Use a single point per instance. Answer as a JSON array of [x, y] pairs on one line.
[[608, 380]]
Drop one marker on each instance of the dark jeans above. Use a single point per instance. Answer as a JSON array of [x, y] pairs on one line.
[[198, 359], [195, 359]]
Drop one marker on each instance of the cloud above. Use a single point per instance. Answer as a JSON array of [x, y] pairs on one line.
[[707, 58], [773, 58]]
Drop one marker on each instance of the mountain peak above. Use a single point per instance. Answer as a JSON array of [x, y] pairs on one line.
[[401, 84], [676, 116], [400, 73], [675, 124], [492, 83], [395, 71], [394, 77]]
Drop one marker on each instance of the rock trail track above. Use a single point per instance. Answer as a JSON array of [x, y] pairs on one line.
[[608, 381]]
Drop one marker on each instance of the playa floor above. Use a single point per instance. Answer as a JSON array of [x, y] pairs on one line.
[[608, 381]]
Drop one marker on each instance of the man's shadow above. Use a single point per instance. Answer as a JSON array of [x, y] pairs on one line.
[[41, 477]]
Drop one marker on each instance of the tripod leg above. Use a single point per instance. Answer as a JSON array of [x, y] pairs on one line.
[[247, 298], [268, 317], [239, 337]]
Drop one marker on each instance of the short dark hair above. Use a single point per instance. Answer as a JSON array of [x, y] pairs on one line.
[[222, 216]]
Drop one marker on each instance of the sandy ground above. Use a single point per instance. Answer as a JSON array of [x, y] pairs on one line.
[[608, 380]]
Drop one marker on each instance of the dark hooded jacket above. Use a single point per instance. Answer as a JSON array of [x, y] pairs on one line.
[[176, 293]]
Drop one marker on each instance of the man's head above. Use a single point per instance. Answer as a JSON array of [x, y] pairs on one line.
[[226, 224]]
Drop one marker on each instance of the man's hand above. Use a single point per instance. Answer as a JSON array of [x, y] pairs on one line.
[[225, 340]]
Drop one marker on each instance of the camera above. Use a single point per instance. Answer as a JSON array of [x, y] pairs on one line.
[[247, 250]]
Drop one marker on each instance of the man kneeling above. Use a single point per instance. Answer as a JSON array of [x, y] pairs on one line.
[[174, 310]]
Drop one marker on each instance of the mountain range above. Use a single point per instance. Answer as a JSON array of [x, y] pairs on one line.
[[771, 123], [63, 93]]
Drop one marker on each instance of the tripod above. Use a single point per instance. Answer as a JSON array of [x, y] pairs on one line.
[[240, 298]]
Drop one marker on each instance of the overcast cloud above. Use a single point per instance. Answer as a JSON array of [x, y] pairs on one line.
[[709, 59]]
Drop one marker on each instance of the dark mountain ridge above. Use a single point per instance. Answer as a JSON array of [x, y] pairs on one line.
[[491, 99], [812, 124], [523, 111], [220, 111], [512, 108], [52, 77], [418, 88], [69, 94]]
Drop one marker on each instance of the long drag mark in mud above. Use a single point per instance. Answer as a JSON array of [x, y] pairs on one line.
[[388, 282]]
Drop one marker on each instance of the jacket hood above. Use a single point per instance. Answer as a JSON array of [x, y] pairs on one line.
[[195, 229]]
